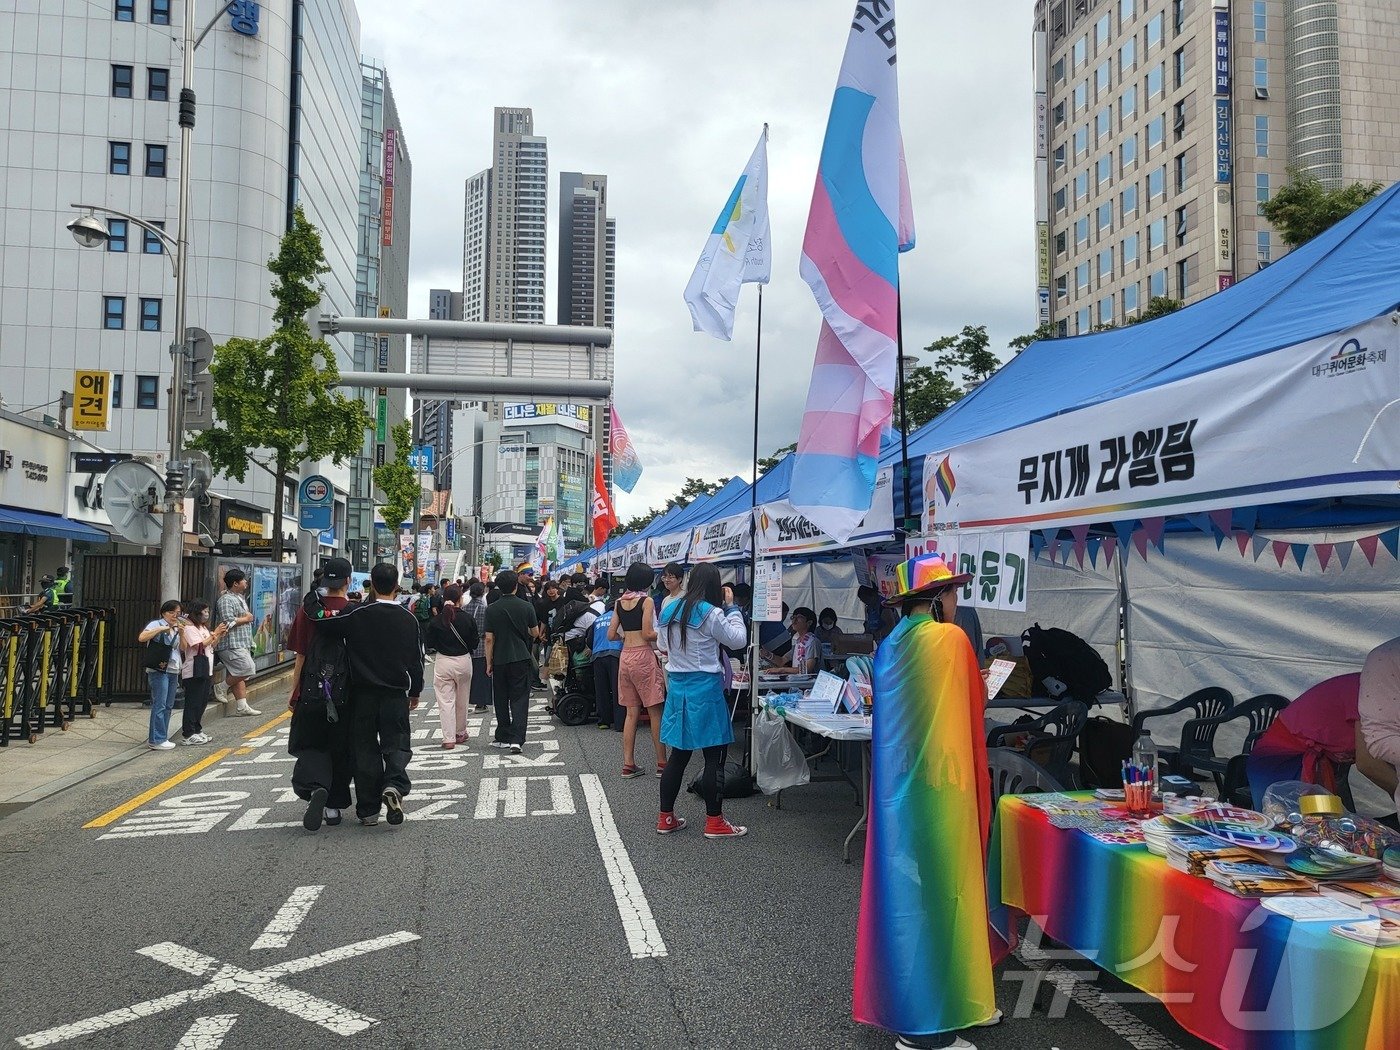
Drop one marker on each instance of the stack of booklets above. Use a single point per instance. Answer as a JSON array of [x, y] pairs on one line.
[[1253, 879], [1333, 865], [1369, 896], [1392, 863], [1192, 859], [1378, 933]]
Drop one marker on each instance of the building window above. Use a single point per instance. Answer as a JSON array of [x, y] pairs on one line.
[[1081, 231], [150, 315], [148, 391], [1101, 28], [1130, 250], [1129, 152], [1157, 284], [1081, 98], [150, 243], [1101, 81], [1105, 218], [116, 235], [155, 161], [1060, 202], [1178, 15], [125, 11], [1081, 278], [1058, 70], [160, 12], [1062, 287], [1154, 30], [1127, 105], [1183, 278], [1059, 157], [1261, 74], [1127, 57], [1105, 265], [1156, 81], [158, 84], [1103, 124], [1081, 142], [1082, 319], [1181, 225], [1179, 67], [1106, 310], [1261, 21], [1061, 243], [1081, 186], [1157, 184], [1081, 52], [1261, 136], [1129, 202], [1266, 250], [1156, 132], [1130, 300], [116, 390], [1103, 171], [1179, 165], [113, 312], [1156, 236], [1261, 188], [1059, 112], [121, 81]]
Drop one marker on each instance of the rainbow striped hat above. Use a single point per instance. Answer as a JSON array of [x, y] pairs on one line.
[[926, 574]]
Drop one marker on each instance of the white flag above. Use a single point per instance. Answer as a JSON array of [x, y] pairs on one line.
[[737, 252]]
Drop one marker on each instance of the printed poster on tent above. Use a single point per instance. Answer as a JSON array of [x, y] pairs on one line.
[[998, 561], [723, 540]]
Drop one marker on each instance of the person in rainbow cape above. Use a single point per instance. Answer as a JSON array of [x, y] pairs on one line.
[[925, 946]]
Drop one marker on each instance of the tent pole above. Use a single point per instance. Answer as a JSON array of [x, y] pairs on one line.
[[1124, 610], [753, 538], [907, 525]]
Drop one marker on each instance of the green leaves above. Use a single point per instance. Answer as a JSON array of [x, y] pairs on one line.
[[397, 480], [1304, 208]]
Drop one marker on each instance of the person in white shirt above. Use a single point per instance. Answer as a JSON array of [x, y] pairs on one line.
[[161, 638]]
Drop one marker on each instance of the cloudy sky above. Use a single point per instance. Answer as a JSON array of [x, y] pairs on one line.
[[667, 98]]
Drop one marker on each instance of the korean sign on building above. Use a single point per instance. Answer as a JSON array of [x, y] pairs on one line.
[[92, 400], [579, 417]]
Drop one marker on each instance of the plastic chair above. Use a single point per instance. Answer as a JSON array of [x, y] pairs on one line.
[[1208, 703], [860, 668], [1057, 732], [1258, 711], [1013, 773]]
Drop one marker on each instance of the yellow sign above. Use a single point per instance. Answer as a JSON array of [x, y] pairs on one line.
[[92, 400]]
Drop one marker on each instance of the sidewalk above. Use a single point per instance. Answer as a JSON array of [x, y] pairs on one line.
[[59, 760]]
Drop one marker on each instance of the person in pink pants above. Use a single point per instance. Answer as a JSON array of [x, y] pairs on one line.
[[454, 637]]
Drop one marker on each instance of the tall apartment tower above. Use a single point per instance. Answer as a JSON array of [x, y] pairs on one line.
[[381, 289], [503, 258], [587, 251], [1163, 125]]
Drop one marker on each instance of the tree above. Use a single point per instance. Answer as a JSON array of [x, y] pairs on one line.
[[693, 489], [1047, 330], [1157, 306], [397, 479], [1304, 207], [275, 398], [775, 457], [927, 393], [968, 352]]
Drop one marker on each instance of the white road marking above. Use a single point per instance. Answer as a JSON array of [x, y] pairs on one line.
[[289, 918], [1094, 1002], [511, 797], [260, 985], [643, 938], [207, 1033]]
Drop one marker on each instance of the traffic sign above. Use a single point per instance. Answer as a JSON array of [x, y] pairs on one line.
[[315, 503], [421, 459]]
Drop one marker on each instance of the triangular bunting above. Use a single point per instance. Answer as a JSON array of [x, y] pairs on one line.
[[1242, 542], [1154, 527], [1391, 540], [1140, 542], [1094, 544], [1248, 518], [1201, 522], [1324, 554], [1368, 545], [1110, 548], [1259, 544], [1037, 545], [1300, 553], [1280, 548], [1344, 553], [1081, 537], [1219, 540], [1054, 548], [1221, 519], [1124, 531]]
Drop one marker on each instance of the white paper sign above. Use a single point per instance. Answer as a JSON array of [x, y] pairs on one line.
[[768, 590], [996, 676], [827, 687]]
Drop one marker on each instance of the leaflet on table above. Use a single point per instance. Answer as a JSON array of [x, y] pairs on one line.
[[1312, 909], [996, 676], [826, 688]]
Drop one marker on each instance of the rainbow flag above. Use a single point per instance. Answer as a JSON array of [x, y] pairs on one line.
[[925, 945], [945, 480], [860, 220]]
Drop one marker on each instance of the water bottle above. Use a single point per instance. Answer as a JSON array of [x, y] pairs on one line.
[[1145, 752]]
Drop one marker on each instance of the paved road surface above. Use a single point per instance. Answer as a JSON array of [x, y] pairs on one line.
[[177, 902]]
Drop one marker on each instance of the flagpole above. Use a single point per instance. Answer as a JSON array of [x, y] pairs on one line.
[[753, 532], [908, 523]]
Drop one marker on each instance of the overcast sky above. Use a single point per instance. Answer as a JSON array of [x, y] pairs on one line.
[[667, 98]]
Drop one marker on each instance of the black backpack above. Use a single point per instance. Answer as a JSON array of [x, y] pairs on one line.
[[1057, 653], [325, 673]]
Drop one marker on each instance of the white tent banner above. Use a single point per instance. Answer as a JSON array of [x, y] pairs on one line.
[[1304, 422], [663, 549], [617, 559], [634, 551], [782, 530], [724, 540], [998, 561]]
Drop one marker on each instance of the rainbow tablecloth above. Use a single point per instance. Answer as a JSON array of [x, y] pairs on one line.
[[1229, 971]]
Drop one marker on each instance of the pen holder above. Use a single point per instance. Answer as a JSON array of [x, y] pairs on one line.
[[1138, 798]]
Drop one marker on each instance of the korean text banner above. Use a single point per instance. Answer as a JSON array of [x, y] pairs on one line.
[[782, 529], [998, 561], [663, 549], [723, 540], [1305, 422]]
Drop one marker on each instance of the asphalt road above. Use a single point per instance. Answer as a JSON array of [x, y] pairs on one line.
[[524, 902]]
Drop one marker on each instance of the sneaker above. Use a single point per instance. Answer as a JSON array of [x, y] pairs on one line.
[[201, 738], [515, 749], [669, 823], [462, 738], [332, 816], [448, 745], [482, 707], [370, 821], [315, 810], [221, 693], [192, 740], [632, 772], [720, 828], [393, 802], [244, 709], [604, 725], [995, 1019], [164, 745], [499, 744], [911, 1042], [660, 768]]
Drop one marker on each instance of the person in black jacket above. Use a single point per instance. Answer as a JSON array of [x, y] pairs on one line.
[[454, 637], [386, 679]]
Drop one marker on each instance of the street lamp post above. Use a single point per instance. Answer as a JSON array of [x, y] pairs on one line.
[[90, 232]]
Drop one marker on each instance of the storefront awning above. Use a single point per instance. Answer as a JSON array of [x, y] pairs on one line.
[[35, 523]]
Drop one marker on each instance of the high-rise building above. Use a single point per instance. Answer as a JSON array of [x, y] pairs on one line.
[[381, 288], [444, 305], [1163, 125], [503, 259], [92, 93]]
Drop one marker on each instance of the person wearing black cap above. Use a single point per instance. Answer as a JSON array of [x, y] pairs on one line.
[[48, 599], [386, 676], [325, 762]]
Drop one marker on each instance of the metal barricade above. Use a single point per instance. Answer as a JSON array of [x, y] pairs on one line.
[[51, 664]]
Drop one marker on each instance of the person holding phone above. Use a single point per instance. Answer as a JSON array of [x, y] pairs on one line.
[[161, 638], [236, 649], [197, 644]]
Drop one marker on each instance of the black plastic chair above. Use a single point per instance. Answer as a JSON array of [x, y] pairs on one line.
[[1014, 774], [1054, 734], [1210, 702], [1259, 712]]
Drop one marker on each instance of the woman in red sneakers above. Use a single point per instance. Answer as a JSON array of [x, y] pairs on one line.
[[696, 716]]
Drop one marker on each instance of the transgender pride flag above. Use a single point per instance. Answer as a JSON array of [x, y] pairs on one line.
[[861, 219]]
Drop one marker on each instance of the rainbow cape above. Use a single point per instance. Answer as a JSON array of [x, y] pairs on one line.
[[925, 946]]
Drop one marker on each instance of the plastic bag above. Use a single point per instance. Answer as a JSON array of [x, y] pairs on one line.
[[781, 763]]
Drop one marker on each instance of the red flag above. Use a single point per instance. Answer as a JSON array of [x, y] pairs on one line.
[[604, 517]]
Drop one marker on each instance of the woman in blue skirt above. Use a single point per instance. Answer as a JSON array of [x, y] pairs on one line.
[[696, 716]]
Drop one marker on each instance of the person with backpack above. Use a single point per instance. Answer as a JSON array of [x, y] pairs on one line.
[[321, 747], [511, 631], [481, 682], [606, 653], [422, 608], [453, 634]]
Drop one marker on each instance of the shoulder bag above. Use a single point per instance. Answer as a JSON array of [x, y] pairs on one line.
[[156, 656]]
